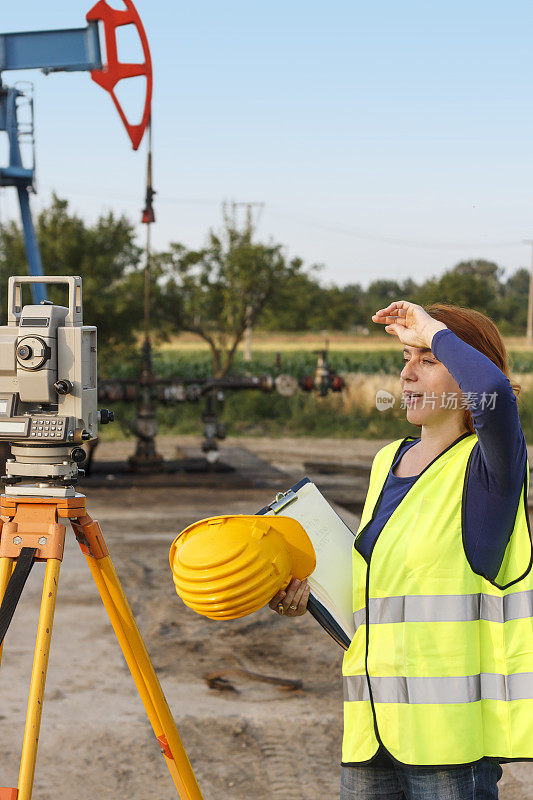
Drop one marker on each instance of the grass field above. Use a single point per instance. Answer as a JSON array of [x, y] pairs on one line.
[[284, 342]]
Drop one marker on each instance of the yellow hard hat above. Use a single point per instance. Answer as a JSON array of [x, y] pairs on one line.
[[230, 566]]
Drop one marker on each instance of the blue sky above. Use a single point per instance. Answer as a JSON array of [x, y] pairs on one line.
[[386, 139]]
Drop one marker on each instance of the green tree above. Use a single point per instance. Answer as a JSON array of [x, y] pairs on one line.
[[470, 284], [518, 283], [217, 291], [378, 295], [104, 254], [513, 305], [342, 307], [297, 303]]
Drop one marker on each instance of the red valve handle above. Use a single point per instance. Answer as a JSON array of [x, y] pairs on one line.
[[115, 71]]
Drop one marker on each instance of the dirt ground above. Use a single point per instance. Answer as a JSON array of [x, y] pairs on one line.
[[257, 741]]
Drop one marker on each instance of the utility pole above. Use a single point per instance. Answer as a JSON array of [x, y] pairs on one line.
[[249, 229], [248, 206], [529, 333]]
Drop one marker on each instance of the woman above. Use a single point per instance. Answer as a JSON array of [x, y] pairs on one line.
[[438, 679]]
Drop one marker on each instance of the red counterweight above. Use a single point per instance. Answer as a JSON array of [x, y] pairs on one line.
[[115, 71]]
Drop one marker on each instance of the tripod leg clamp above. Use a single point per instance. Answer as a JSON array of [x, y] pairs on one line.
[[49, 543], [163, 744], [8, 794], [89, 537]]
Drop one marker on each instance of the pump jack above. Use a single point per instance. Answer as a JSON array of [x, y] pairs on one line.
[[68, 50]]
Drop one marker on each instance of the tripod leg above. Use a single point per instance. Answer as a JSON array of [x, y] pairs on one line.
[[143, 673], [38, 679], [6, 568]]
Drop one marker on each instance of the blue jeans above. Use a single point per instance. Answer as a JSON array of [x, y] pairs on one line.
[[473, 782]]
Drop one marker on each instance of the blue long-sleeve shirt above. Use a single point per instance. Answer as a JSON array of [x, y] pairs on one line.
[[499, 460], [498, 463]]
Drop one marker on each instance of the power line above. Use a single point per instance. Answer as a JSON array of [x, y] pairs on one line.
[[355, 233], [383, 239], [128, 199]]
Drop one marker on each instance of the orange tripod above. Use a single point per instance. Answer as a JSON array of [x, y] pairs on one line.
[[32, 522]]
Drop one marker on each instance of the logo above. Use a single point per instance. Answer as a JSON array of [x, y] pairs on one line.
[[384, 400]]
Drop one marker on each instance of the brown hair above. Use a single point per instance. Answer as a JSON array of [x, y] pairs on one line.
[[477, 330]]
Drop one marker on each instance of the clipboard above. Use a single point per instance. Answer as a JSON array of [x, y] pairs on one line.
[[330, 600]]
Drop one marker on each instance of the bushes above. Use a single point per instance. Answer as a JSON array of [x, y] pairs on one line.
[[197, 364], [252, 413], [351, 413]]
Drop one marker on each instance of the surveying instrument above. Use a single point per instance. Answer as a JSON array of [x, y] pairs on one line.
[[48, 397]]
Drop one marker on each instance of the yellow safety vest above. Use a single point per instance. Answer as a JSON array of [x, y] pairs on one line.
[[440, 669]]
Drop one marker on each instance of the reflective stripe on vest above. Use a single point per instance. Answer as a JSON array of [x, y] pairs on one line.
[[447, 608], [467, 689]]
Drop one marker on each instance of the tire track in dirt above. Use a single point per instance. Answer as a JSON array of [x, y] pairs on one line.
[[321, 765], [296, 764], [279, 763]]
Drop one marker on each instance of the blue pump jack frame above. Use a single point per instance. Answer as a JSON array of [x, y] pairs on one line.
[[69, 50]]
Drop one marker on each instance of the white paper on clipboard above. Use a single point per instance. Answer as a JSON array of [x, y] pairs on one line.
[[331, 582]]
